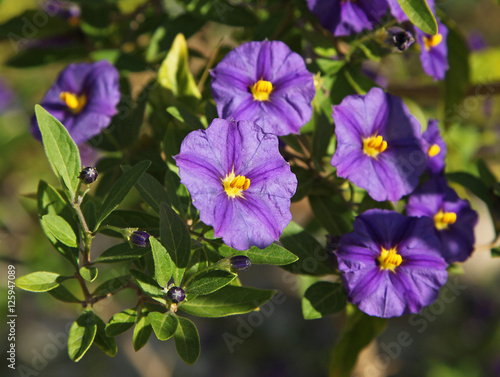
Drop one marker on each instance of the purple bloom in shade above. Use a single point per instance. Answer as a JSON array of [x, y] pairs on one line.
[[391, 263], [83, 99], [476, 41], [379, 144], [436, 147], [454, 219], [238, 181], [266, 83], [434, 52], [347, 17]]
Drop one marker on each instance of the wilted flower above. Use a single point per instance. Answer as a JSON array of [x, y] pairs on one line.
[[264, 82], [436, 148], [391, 263], [238, 181], [83, 99], [454, 219], [379, 144]]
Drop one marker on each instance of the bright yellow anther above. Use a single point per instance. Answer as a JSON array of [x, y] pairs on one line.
[[443, 219], [374, 145], [75, 103], [432, 41], [389, 259], [434, 150], [235, 185], [261, 90]]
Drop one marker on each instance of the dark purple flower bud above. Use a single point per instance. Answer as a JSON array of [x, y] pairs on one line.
[[88, 175], [139, 238], [400, 38], [240, 263], [176, 295]]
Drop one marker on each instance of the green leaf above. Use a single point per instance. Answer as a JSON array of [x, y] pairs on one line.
[[185, 116], [485, 173], [164, 324], [121, 188], [360, 330], [151, 191], [187, 341], [174, 71], [121, 322], [273, 254], [103, 340], [495, 252], [305, 180], [112, 285], [142, 331], [472, 183], [323, 132], [163, 263], [229, 300], [420, 14], [333, 213], [60, 229], [61, 150], [176, 239], [89, 273], [148, 285], [130, 219], [121, 252], [209, 281], [323, 298], [62, 293], [40, 281], [81, 335]]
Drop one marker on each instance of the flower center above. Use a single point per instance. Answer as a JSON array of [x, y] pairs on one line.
[[434, 150], [261, 90], [443, 219], [75, 103], [432, 41], [389, 259], [234, 185], [374, 145]]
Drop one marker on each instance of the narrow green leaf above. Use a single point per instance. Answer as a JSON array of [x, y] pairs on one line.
[[323, 132], [176, 239], [333, 213], [229, 300], [81, 335], [187, 341], [121, 188], [148, 285], [323, 298], [40, 281], [185, 116], [163, 263], [485, 173], [151, 191], [121, 322], [121, 218], [420, 14], [60, 229], [273, 254], [62, 293], [61, 150], [305, 180], [164, 324], [89, 273], [121, 252], [209, 281], [103, 340], [142, 331], [112, 285]]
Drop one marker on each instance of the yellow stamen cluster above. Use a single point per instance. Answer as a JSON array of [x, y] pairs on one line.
[[235, 185], [374, 145], [434, 150], [443, 219], [75, 103], [389, 259], [432, 41], [261, 90]]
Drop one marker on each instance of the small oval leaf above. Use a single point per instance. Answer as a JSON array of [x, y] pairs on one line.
[[81, 335], [187, 341], [164, 324], [40, 281]]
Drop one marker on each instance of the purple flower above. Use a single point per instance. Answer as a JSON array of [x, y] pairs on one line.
[[434, 52], [379, 145], [264, 82], [347, 17], [83, 99], [391, 263], [238, 181], [476, 41], [436, 147], [454, 220]]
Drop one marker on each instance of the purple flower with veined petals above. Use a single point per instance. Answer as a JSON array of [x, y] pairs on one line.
[[266, 83], [347, 17], [379, 144], [436, 148], [83, 99], [434, 52], [238, 181], [454, 219], [391, 263]]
